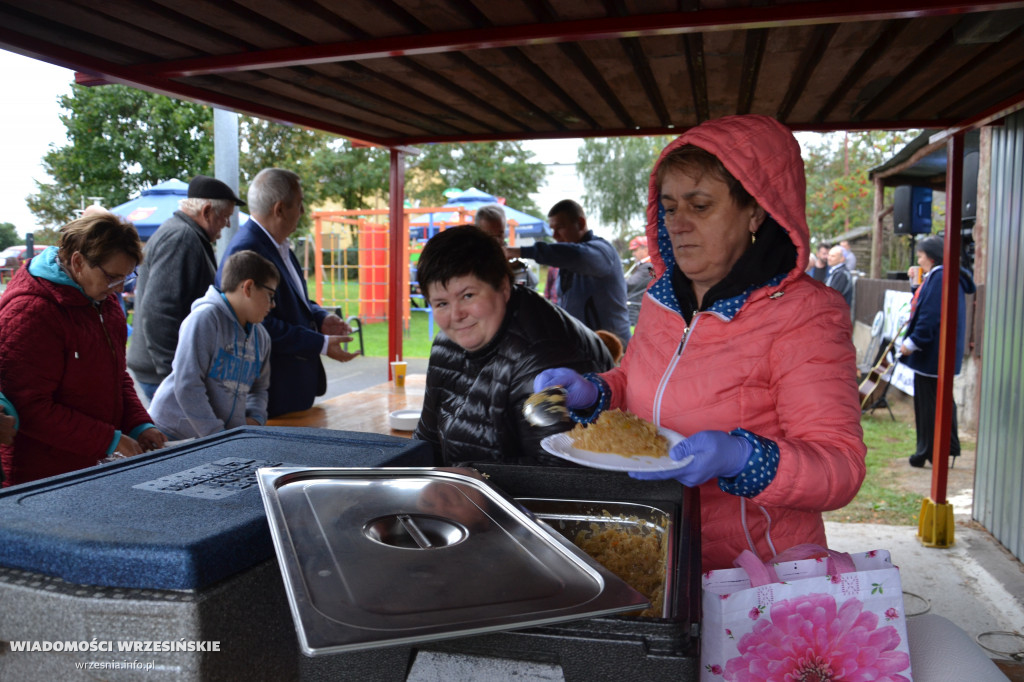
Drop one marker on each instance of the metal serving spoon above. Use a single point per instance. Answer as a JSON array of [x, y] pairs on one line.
[[547, 407]]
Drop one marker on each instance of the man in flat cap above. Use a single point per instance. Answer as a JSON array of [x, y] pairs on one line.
[[178, 268]]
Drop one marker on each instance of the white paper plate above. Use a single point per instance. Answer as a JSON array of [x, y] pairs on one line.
[[560, 445], [404, 420]]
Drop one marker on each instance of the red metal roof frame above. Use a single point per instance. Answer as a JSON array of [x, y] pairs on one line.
[[159, 77]]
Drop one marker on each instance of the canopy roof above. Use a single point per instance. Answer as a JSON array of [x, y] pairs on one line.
[[472, 199], [399, 72], [921, 162]]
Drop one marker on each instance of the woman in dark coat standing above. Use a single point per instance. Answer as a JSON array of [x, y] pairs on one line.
[[495, 337], [62, 354], [920, 349]]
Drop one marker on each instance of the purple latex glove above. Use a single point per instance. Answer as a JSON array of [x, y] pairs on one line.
[[711, 454], [581, 393]]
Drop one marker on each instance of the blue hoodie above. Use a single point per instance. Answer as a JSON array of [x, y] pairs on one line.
[[219, 376]]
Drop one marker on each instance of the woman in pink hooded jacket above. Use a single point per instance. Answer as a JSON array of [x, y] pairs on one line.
[[736, 347]]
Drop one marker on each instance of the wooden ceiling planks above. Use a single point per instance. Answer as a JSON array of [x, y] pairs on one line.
[[408, 71]]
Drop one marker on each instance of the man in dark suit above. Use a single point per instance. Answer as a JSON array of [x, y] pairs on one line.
[[300, 330]]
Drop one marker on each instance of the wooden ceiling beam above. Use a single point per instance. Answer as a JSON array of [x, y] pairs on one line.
[[697, 71], [753, 56], [914, 68], [980, 60], [810, 57], [871, 54], [608, 28]]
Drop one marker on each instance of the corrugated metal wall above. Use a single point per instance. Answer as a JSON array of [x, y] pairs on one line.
[[999, 476]]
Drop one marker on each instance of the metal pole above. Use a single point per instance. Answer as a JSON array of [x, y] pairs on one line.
[[948, 325], [936, 527], [225, 166], [396, 240]]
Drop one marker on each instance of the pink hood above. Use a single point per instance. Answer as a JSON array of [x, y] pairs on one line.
[[764, 156]]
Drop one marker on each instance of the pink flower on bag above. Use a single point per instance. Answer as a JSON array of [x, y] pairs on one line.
[[808, 638], [891, 613], [755, 612], [714, 669], [835, 579]]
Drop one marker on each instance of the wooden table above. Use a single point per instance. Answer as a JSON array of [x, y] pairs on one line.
[[366, 410]]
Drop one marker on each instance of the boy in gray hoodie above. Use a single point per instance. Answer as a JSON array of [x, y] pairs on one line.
[[221, 368]]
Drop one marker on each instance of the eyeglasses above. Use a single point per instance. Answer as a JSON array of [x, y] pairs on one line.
[[271, 292], [114, 281]]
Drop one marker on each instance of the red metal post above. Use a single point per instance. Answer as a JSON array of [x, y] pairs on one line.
[[947, 327], [396, 241]]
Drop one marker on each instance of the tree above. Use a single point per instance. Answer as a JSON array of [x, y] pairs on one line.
[[121, 140], [839, 193], [8, 235], [503, 169], [50, 236], [616, 172], [353, 175]]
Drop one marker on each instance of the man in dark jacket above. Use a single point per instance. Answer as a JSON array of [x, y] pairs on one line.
[[496, 337], [300, 330], [838, 277], [179, 267], [591, 286], [920, 349]]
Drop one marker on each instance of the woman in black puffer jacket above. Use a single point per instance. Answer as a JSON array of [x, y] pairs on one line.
[[496, 337]]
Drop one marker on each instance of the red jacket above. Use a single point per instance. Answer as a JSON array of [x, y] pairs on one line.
[[62, 364], [781, 365]]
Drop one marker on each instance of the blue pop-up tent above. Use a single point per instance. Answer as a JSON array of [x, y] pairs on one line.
[[527, 226], [153, 206]]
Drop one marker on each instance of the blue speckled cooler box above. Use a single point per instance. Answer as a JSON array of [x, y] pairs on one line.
[[179, 519]]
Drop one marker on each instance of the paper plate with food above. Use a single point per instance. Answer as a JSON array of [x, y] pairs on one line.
[[617, 441]]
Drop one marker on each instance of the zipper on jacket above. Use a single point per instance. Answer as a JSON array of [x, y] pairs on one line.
[[663, 383], [110, 341]]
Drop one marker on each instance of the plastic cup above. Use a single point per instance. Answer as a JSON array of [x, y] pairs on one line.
[[398, 370]]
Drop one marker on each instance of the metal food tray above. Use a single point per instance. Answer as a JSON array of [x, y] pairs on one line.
[[569, 517], [375, 557]]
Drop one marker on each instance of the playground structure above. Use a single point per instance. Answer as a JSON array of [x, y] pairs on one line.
[[351, 258]]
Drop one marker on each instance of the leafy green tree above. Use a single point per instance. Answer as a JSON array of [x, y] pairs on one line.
[[120, 141], [355, 176], [8, 235], [503, 169], [839, 194], [266, 144], [50, 236], [616, 172]]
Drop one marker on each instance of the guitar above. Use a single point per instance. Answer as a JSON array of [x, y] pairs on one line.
[[878, 376]]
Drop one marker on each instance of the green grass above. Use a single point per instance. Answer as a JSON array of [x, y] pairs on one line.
[[415, 340], [878, 501]]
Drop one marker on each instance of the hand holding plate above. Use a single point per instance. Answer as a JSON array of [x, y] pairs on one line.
[[703, 456]]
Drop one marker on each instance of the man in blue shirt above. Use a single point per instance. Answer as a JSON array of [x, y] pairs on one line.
[[591, 286]]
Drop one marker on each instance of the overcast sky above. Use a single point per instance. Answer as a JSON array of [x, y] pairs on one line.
[[29, 123]]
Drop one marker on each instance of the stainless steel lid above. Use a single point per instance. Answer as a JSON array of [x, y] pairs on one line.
[[385, 556]]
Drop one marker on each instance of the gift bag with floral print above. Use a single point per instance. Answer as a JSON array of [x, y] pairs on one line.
[[831, 617]]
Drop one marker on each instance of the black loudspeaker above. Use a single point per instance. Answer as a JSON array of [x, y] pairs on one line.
[[969, 207], [912, 210]]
